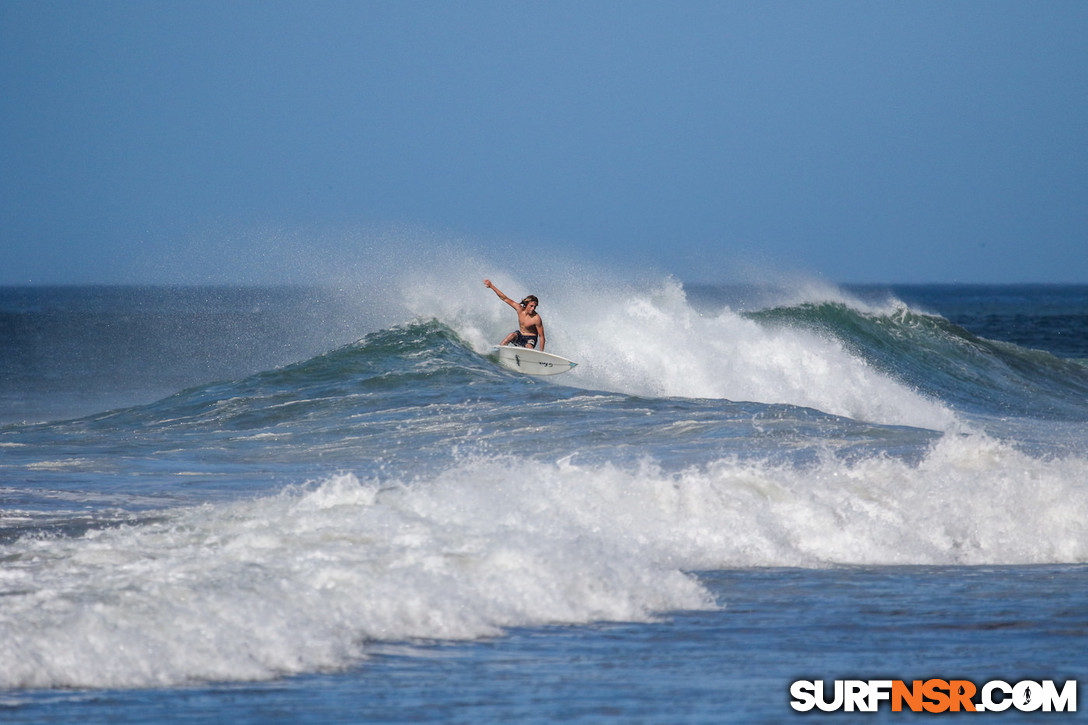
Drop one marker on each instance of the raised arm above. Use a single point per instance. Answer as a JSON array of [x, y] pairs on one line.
[[504, 298]]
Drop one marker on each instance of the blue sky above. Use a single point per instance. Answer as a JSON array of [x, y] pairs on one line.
[[154, 141]]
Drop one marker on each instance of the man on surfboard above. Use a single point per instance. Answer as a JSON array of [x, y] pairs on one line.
[[530, 330]]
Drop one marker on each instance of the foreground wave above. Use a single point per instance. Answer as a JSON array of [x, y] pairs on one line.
[[305, 579]]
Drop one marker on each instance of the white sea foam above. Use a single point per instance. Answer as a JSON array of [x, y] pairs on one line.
[[302, 581], [299, 582], [59, 465]]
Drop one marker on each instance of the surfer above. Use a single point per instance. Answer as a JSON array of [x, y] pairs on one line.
[[530, 330]]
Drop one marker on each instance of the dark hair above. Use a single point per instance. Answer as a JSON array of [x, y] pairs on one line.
[[528, 299]]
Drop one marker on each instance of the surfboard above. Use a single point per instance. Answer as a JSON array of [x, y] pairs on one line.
[[532, 362]]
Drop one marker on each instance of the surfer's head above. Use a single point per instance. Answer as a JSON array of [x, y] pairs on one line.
[[531, 298]]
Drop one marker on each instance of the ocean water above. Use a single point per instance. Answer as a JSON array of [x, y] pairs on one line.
[[285, 504]]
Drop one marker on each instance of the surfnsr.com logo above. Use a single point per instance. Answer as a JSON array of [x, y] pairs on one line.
[[934, 696]]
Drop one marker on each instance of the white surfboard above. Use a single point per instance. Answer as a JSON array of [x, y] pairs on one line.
[[532, 362]]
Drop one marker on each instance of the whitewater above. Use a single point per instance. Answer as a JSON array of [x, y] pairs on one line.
[[229, 510]]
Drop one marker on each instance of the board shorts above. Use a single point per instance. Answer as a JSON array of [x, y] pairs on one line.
[[522, 340]]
